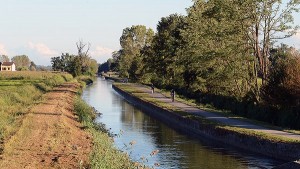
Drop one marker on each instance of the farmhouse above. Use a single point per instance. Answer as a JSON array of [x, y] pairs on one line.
[[7, 66]]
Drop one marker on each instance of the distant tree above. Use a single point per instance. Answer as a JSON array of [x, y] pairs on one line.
[[84, 60], [32, 66], [43, 68], [21, 61], [77, 65], [57, 64], [23, 68], [93, 67], [4, 58], [116, 56], [106, 66]]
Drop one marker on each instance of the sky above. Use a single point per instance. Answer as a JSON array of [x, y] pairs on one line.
[[42, 29]]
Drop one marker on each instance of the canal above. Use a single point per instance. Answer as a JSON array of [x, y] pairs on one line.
[[139, 135]]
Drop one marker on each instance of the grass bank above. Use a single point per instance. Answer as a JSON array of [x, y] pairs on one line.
[[104, 154], [256, 134], [18, 92], [22, 90]]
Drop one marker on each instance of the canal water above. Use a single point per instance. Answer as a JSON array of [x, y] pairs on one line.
[[140, 135]]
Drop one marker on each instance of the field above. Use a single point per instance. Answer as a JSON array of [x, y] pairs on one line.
[[18, 92]]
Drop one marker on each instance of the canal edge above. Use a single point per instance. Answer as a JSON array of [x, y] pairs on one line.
[[278, 150]]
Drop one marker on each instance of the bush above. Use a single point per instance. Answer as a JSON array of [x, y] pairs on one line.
[[283, 87]]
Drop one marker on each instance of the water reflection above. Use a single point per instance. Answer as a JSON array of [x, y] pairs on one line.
[[175, 150]]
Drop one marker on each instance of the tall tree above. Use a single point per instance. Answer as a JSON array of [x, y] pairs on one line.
[[283, 87], [132, 41], [83, 57], [269, 21], [213, 47], [163, 60]]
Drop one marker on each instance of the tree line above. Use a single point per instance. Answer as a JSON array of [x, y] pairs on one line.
[[80, 64], [22, 62], [224, 53]]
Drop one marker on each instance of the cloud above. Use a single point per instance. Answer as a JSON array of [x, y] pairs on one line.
[[101, 54], [297, 35], [101, 51], [42, 49], [2, 50]]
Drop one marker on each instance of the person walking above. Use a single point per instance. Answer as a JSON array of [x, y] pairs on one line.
[[173, 95], [152, 88]]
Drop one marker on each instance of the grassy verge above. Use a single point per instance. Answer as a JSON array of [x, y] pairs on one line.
[[18, 92], [104, 154], [129, 88], [226, 113]]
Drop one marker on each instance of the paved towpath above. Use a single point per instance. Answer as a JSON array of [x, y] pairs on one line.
[[215, 116]]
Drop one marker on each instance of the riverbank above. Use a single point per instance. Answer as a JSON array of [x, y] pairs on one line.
[[103, 153], [187, 119], [47, 127]]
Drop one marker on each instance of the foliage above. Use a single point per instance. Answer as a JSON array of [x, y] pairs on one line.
[[213, 59], [162, 57], [32, 66], [109, 65], [283, 87], [272, 20], [22, 62], [132, 41], [4, 58], [80, 64], [221, 53], [74, 64]]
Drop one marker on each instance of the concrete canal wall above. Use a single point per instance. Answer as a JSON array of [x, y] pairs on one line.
[[279, 150]]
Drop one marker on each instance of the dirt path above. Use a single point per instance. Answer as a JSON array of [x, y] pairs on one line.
[[50, 136], [217, 117]]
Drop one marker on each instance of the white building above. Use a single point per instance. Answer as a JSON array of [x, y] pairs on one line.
[[7, 66]]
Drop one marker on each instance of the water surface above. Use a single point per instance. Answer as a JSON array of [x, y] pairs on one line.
[[176, 150]]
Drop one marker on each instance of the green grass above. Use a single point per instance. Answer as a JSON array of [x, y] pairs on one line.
[[226, 113], [129, 88], [18, 92], [104, 154]]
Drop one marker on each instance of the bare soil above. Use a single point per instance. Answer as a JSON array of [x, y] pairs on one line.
[[50, 136]]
